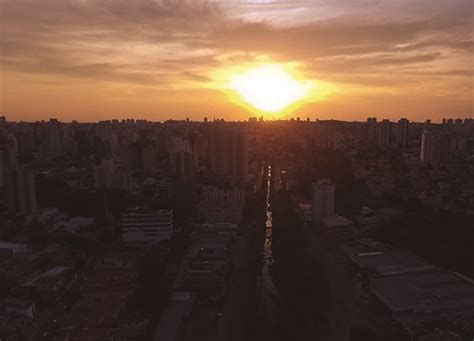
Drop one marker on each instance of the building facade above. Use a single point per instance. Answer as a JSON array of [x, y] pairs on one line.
[[143, 225], [322, 199]]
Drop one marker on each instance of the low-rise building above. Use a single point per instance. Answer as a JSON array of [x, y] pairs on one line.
[[13, 248], [19, 306], [338, 228], [222, 206], [146, 225]]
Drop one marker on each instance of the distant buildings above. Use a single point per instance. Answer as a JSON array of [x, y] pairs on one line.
[[385, 133], [20, 188], [371, 132], [436, 148], [228, 153], [182, 160], [108, 175], [444, 147], [402, 137], [322, 197], [426, 152], [54, 141], [183, 165], [146, 225]]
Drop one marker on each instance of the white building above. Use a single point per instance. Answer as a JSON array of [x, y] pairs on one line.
[[322, 198], [141, 225]]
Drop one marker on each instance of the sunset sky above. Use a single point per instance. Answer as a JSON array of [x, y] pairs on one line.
[[100, 59]]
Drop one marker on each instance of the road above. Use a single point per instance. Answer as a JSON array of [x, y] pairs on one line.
[[266, 289]]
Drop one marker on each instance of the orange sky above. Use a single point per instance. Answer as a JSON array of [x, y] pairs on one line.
[[98, 59]]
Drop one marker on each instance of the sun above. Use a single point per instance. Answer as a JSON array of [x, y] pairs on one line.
[[269, 88]]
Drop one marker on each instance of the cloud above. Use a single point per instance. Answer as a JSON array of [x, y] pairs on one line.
[[173, 44]]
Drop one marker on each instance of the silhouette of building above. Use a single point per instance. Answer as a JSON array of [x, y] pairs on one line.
[[426, 152], [183, 165], [322, 198], [371, 136], [403, 125], [108, 175], [444, 147], [54, 142], [229, 153], [385, 133], [20, 188], [183, 161]]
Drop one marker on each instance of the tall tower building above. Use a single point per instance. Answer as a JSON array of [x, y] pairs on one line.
[[403, 132], [183, 165], [322, 198], [229, 153], [2, 168], [20, 188], [426, 152], [385, 133], [53, 130], [103, 174], [371, 136], [444, 147], [183, 160]]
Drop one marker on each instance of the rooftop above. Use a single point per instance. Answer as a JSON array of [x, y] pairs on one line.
[[336, 221], [437, 291]]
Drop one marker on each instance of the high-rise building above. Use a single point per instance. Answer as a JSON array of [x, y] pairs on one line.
[[103, 174], [149, 158], [444, 148], [183, 165], [182, 159], [426, 152], [229, 153], [20, 188], [385, 133], [25, 141], [403, 125], [322, 198], [145, 225], [53, 143], [2, 168], [109, 175], [371, 130]]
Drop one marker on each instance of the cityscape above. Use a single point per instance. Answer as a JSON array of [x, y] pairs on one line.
[[214, 230], [240, 170]]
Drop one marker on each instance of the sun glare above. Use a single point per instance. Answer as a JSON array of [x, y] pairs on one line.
[[268, 88]]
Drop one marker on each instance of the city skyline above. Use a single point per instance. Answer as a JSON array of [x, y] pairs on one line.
[[157, 60], [236, 170]]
